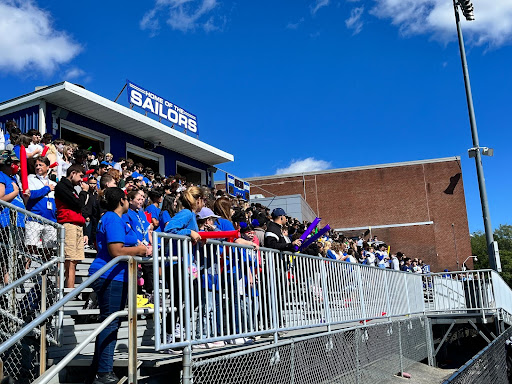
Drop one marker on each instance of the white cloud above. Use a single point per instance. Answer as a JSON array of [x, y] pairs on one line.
[[182, 15], [307, 165], [319, 4], [73, 73], [77, 74], [296, 25], [493, 24], [28, 40], [354, 22]]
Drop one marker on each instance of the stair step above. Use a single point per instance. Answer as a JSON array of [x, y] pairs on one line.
[[85, 290]]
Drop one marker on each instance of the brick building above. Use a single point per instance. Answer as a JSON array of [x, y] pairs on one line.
[[417, 207]]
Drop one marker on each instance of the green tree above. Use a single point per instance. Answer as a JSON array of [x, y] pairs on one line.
[[503, 235]]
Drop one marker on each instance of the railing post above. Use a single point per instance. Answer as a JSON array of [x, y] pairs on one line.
[[357, 337], [273, 292], [132, 321], [407, 296], [325, 291], [42, 337], [62, 259], [186, 321], [157, 317], [388, 304], [400, 348], [361, 293], [482, 304], [430, 342]]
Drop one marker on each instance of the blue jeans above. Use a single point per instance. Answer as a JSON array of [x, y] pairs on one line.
[[112, 297]]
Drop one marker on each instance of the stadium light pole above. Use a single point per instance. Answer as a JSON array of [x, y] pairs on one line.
[[466, 8]]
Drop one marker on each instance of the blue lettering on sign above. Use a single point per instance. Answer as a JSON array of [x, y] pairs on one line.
[[164, 109]]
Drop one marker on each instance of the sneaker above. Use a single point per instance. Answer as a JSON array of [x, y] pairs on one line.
[[217, 344], [106, 378], [201, 346], [238, 341], [177, 331], [171, 351]]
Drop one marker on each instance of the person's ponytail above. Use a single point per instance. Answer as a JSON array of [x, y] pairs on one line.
[[188, 198]]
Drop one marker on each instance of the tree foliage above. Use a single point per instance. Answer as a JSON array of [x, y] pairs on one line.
[[503, 235]]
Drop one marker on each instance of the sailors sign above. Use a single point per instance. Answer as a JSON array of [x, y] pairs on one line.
[[164, 109]]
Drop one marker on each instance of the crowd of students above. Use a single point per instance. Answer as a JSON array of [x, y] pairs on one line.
[[114, 206]]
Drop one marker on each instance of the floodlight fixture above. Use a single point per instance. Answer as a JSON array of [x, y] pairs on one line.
[[467, 9]]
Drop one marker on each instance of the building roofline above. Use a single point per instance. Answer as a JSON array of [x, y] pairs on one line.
[[360, 168], [40, 94]]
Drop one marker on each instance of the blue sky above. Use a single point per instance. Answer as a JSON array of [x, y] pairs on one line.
[[289, 85]]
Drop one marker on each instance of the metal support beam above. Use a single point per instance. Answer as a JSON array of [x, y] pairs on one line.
[[479, 332], [42, 337], [132, 321], [444, 338]]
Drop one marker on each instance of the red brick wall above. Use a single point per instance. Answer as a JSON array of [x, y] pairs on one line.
[[390, 195]]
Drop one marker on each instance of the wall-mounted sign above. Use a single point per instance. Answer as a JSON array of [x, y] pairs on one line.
[[160, 107], [237, 187]]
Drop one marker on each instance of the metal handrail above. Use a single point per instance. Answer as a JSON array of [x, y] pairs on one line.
[[31, 214], [275, 286], [55, 307], [28, 276], [55, 369]]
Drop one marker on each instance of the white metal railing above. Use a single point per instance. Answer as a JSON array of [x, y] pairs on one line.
[[463, 291], [32, 265], [223, 291]]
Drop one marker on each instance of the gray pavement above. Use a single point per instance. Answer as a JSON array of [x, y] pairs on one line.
[[422, 374]]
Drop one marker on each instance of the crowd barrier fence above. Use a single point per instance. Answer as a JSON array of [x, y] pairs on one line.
[[216, 291], [32, 270], [220, 291]]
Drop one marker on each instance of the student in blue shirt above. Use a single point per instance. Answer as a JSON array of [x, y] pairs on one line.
[[137, 220], [154, 208], [114, 237], [222, 208], [183, 223], [10, 192], [169, 206]]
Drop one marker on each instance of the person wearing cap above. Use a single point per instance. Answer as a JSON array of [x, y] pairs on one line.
[[10, 192], [209, 217], [274, 235], [210, 287]]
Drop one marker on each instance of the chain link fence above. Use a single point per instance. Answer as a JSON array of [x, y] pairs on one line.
[[367, 354], [488, 366], [29, 263]]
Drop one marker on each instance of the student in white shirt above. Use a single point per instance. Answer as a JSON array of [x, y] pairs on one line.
[[34, 148]]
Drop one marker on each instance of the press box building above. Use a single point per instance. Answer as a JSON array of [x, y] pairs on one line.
[[73, 113]]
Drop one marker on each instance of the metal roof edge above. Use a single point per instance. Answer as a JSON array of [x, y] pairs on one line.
[[70, 87], [30, 97], [358, 168]]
